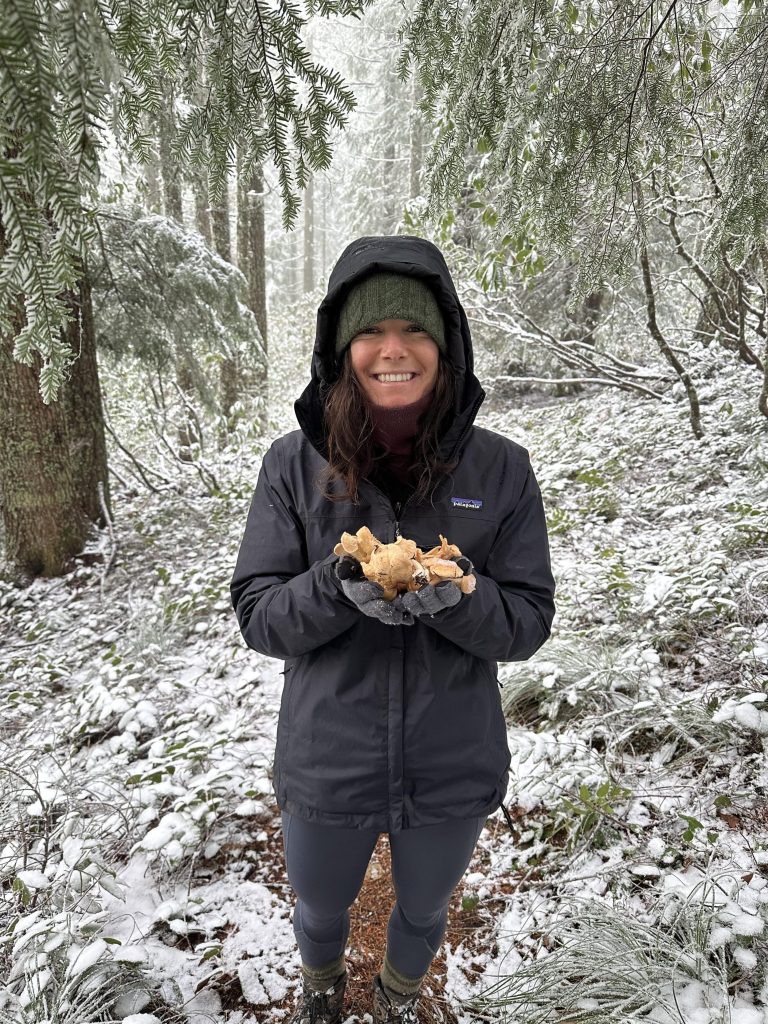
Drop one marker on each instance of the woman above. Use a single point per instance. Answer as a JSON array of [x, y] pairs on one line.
[[390, 719]]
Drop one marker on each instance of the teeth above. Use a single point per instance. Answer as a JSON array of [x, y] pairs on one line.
[[394, 377]]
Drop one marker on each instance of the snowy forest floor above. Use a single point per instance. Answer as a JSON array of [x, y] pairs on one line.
[[141, 851]]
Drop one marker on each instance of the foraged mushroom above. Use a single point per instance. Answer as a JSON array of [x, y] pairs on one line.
[[401, 566]]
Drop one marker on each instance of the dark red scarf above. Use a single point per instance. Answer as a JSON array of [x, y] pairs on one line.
[[394, 430]]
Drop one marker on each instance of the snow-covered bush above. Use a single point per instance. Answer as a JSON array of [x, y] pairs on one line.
[[604, 961], [138, 821], [57, 867]]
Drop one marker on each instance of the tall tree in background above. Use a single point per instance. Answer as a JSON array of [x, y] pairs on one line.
[[251, 241], [66, 72], [53, 459], [252, 261], [202, 209], [171, 172], [295, 253], [222, 234], [188, 432], [387, 154], [416, 141], [308, 279], [151, 189], [376, 167], [199, 175]]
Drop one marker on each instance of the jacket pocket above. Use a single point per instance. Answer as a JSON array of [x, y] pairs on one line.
[[284, 715], [289, 675]]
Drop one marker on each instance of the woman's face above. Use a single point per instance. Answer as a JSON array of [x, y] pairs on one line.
[[398, 347]]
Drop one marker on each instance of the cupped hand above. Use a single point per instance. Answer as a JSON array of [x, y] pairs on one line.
[[368, 595], [429, 600]]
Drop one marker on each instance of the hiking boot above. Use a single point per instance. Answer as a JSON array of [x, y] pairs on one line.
[[395, 1008], [320, 1007]]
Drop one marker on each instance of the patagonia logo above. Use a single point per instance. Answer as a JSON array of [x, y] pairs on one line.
[[467, 502]]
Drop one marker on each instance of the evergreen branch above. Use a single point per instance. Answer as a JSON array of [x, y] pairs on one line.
[[57, 66]]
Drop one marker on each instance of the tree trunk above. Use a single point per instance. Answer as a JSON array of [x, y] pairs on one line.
[[416, 146], [251, 259], [466, 216], [199, 175], [655, 330], [718, 306], [593, 307], [583, 323], [241, 216], [294, 247], [170, 169], [389, 206], [309, 235], [251, 245], [391, 193], [202, 211], [762, 401], [52, 457], [324, 250], [257, 281], [723, 309], [154, 198], [230, 386], [222, 238], [188, 433]]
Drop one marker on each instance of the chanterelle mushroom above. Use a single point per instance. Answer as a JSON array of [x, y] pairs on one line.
[[401, 566]]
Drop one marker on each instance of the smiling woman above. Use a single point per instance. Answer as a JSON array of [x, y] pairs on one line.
[[392, 718], [395, 362]]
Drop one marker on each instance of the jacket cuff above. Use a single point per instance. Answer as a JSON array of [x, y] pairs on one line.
[[326, 566]]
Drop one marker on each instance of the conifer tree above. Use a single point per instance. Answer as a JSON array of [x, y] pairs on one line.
[[580, 115], [73, 67], [570, 103], [69, 71]]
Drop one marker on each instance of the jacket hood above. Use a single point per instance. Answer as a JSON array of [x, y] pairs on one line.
[[403, 254]]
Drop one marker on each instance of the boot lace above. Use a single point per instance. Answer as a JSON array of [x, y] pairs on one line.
[[316, 1009], [405, 1014], [399, 1013]]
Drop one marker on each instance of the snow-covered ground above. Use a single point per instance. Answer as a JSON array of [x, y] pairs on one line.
[[140, 844]]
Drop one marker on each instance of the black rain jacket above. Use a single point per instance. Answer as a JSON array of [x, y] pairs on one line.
[[393, 727]]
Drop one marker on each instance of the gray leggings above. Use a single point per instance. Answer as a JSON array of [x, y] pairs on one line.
[[326, 867]]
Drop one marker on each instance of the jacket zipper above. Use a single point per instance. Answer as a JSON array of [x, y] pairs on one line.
[[399, 507]]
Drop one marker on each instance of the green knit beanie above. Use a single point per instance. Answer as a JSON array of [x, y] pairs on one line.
[[384, 296]]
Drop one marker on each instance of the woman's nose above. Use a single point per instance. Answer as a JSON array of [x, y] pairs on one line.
[[393, 344]]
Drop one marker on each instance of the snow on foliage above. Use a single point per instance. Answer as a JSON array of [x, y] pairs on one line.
[[136, 794]]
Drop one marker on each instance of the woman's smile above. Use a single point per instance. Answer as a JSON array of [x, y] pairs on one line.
[[394, 378]]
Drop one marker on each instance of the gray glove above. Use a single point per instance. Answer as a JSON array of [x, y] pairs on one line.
[[367, 595], [429, 600]]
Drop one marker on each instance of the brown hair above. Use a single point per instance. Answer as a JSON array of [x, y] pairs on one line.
[[349, 429]]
